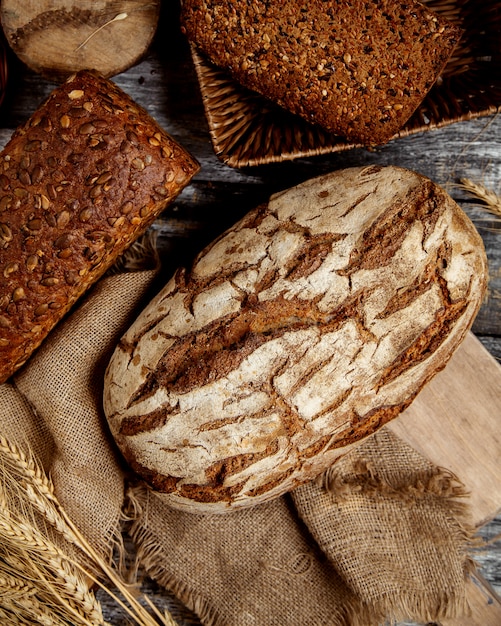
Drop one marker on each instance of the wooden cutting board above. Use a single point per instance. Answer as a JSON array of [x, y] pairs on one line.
[[58, 37], [456, 423]]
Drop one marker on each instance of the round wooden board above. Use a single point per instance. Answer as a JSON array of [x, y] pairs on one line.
[[58, 37]]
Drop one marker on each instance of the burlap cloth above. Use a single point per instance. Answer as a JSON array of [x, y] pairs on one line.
[[382, 536]]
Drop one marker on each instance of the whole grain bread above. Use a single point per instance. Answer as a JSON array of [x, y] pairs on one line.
[[307, 326], [79, 182], [358, 69]]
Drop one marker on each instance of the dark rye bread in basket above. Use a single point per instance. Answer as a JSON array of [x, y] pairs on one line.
[[247, 129], [80, 181], [357, 69]]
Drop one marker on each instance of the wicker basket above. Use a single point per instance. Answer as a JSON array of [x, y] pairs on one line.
[[246, 129]]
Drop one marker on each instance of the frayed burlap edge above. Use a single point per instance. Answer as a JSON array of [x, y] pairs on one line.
[[149, 556], [443, 484]]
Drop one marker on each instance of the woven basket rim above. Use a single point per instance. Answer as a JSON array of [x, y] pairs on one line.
[[246, 129]]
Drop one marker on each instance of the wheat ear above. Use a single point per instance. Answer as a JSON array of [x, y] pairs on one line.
[[27, 480], [490, 200], [12, 586], [48, 575]]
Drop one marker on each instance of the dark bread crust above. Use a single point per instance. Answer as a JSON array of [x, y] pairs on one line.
[[358, 69], [79, 182]]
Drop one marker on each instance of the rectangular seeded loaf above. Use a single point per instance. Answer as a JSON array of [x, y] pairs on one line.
[[358, 69], [79, 182]]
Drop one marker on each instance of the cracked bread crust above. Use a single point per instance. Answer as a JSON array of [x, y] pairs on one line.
[[307, 326], [359, 69]]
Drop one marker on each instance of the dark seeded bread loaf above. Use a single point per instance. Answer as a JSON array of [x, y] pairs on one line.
[[79, 182], [308, 325], [359, 69]]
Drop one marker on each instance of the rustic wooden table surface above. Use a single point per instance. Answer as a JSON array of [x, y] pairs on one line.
[[164, 82]]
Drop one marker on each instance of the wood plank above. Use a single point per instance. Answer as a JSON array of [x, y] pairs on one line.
[[456, 423], [58, 37]]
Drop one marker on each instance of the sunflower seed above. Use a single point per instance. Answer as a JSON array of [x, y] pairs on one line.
[[5, 232], [24, 177], [96, 191], [50, 281], [50, 219], [62, 219], [78, 112], [31, 262], [65, 253], [85, 215], [34, 224], [116, 221], [18, 294], [104, 178], [62, 242], [41, 309], [10, 268], [138, 164], [126, 207], [5, 203], [87, 129], [20, 193], [5, 322], [132, 137], [51, 191], [37, 174]]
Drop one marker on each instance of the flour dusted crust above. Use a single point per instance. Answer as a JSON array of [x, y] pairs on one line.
[[359, 69], [307, 326]]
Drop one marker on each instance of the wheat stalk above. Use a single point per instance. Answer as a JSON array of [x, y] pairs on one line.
[[41, 608], [12, 586], [33, 611], [61, 582], [491, 202], [13, 455], [72, 586], [47, 574]]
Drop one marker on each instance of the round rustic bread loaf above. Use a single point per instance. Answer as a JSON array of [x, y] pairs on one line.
[[308, 325]]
